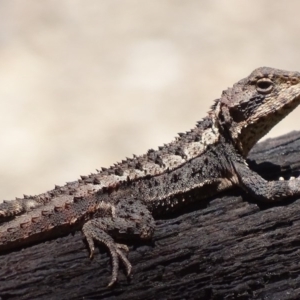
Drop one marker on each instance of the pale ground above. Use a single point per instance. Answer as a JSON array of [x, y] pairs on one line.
[[86, 83]]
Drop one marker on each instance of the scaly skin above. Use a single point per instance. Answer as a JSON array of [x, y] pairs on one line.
[[122, 200]]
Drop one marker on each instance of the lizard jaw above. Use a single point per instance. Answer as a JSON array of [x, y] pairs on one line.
[[248, 133]]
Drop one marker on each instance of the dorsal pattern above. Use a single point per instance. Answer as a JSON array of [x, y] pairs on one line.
[[120, 201]]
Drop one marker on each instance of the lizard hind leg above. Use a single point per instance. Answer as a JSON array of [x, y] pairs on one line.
[[131, 219]]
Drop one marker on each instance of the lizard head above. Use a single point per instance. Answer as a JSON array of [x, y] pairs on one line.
[[255, 104]]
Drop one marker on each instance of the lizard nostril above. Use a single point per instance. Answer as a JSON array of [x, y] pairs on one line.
[[294, 80]]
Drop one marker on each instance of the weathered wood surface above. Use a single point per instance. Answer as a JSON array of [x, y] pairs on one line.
[[230, 247]]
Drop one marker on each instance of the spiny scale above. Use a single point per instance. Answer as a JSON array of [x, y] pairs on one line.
[[120, 201]]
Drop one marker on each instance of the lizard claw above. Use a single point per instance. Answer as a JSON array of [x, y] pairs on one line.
[[122, 247], [291, 178]]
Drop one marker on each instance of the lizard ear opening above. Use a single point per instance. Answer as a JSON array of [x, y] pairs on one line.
[[264, 86]]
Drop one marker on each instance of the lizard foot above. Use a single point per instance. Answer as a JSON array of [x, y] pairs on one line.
[[93, 232]]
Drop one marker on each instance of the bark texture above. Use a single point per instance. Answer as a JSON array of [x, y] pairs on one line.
[[227, 247]]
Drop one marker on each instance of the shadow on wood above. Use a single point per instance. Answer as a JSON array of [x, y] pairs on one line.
[[234, 248]]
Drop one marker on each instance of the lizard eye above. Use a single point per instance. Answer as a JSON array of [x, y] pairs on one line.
[[264, 86]]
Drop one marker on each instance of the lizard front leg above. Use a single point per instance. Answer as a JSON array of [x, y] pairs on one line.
[[129, 219], [262, 189]]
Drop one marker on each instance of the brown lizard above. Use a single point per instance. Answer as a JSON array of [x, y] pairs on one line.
[[121, 201]]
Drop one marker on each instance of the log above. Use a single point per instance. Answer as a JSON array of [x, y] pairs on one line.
[[227, 247]]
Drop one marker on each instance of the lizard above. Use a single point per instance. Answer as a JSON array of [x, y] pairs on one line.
[[122, 202]]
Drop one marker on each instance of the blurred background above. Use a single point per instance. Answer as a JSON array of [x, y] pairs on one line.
[[85, 83]]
